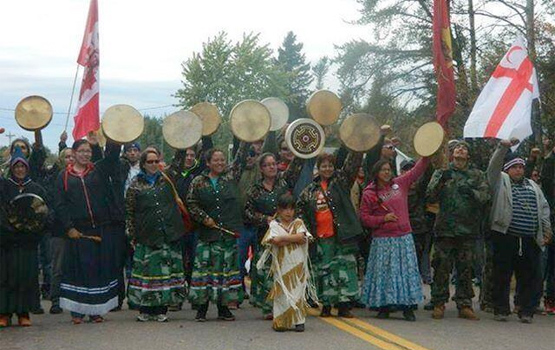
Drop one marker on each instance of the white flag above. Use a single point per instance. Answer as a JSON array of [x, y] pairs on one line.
[[504, 108]]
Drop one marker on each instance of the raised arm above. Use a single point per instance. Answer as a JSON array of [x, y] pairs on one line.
[[415, 173], [496, 163], [238, 165], [350, 169]]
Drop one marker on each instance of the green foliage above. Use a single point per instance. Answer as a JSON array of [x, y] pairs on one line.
[[391, 76], [226, 73], [292, 62], [320, 70], [152, 136]]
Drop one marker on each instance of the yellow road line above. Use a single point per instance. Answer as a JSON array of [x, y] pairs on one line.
[[384, 334], [371, 334], [361, 334]]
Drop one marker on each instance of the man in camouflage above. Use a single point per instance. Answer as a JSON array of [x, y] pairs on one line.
[[462, 192]]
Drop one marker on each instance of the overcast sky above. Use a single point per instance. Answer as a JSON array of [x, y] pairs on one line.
[[142, 46]]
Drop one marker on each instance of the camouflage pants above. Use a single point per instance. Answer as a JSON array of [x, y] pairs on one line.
[[335, 273], [486, 290], [216, 275], [261, 282], [449, 251]]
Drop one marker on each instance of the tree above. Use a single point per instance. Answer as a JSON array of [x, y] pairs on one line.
[[320, 70], [292, 62], [226, 73]]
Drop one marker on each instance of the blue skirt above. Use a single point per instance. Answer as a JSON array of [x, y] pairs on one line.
[[392, 277]]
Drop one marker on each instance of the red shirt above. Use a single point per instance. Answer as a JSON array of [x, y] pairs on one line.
[[324, 217]]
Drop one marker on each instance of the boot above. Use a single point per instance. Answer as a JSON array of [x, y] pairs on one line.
[[439, 311], [326, 311], [344, 311], [4, 320], [23, 320], [201, 312], [383, 313], [225, 314], [467, 313]]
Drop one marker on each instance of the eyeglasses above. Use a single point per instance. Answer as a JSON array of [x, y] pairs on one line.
[[156, 161]]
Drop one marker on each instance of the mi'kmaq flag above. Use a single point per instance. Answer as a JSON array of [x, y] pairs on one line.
[[504, 108], [87, 118]]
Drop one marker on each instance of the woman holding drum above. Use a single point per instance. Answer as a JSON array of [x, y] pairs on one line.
[[392, 276], [87, 209], [327, 211], [21, 230]]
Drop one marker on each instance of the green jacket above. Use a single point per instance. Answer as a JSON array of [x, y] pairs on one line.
[[462, 195], [152, 215], [345, 219], [221, 203]]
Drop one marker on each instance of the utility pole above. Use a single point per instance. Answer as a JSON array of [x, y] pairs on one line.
[[10, 136]]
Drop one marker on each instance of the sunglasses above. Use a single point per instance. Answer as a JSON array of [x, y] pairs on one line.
[[152, 161]]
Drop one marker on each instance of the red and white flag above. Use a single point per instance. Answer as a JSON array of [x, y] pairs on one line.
[[504, 108], [87, 118]]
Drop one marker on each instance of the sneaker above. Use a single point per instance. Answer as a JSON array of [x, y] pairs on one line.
[[466, 312], [24, 320], [326, 311], [525, 319], [501, 318], [409, 315], [201, 313], [56, 309], [143, 318], [161, 318], [225, 314], [299, 328], [439, 312]]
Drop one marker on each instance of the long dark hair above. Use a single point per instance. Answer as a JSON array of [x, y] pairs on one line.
[[374, 175]]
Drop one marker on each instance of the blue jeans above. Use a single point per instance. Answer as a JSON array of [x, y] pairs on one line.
[[248, 237]]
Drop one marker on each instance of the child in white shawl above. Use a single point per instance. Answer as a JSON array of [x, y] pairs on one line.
[[286, 241]]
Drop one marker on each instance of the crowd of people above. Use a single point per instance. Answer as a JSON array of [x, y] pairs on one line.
[[340, 231]]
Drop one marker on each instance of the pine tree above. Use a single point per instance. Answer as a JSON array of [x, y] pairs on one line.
[[292, 61]]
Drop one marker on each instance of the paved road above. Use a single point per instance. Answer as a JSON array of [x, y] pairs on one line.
[[121, 331]]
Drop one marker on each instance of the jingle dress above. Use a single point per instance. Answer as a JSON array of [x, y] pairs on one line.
[[291, 275]]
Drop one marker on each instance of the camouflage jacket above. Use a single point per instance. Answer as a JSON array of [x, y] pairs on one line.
[[262, 203], [462, 195], [220, 203]]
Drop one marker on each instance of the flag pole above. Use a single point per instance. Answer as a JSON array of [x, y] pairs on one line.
[[71, 98]]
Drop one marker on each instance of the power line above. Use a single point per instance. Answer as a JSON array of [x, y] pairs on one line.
[[65, 113]]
